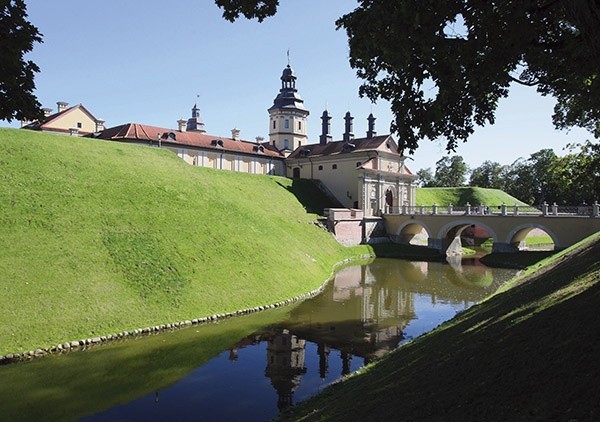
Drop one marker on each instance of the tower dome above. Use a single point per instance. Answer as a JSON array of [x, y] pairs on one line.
[[287, 115], [288, 78]]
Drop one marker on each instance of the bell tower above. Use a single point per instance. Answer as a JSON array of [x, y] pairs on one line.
[[287, 116]]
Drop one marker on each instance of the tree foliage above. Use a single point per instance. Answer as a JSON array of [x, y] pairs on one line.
[[488, 175], [445, 65], [426, 179], [450, 171], [531, 180], [250, 9], [577, 174], [17, 37], [542, 177]]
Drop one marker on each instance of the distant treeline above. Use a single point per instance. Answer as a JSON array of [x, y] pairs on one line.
[[570, 179]]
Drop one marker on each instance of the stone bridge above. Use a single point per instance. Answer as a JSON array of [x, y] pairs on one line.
[[507, 225]]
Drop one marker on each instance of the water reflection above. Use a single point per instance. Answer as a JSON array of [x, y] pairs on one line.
[[365, 313], [249, 368]]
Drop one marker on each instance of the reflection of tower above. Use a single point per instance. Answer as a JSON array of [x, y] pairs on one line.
[[323, 351], [285, 364]]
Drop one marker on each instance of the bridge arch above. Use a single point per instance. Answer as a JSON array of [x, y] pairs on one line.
[[409, 229], [519, 233], [449, 235], [461, 224]]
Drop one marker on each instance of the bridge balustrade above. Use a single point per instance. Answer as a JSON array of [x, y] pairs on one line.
[[583, 210]]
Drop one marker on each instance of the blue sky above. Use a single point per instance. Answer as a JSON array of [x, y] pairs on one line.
[[146, 62]]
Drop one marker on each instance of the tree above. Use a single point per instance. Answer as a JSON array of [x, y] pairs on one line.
[[17, 37], [251, 9], [577, 174], [450, 171], [487, 175], [445, 65], [532, 180], [426, 178]]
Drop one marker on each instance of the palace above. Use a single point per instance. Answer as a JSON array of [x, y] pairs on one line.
[[364, 173]]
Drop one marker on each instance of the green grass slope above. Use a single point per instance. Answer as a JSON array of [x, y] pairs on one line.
[[100, 237], [529, 353], [459, 196]]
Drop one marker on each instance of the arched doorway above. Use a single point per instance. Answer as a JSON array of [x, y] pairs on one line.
[[389, 200]]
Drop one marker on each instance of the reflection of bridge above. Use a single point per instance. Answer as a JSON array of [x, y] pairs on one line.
[[508, 225]]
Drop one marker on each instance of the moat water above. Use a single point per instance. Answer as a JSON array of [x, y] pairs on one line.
[[251, 367]]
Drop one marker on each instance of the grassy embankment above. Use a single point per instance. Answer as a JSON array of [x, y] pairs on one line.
[[528, 353], [459, 196], [100, 237]]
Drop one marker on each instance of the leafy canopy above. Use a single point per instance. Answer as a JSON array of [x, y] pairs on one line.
[[445, 65], [17, 37]]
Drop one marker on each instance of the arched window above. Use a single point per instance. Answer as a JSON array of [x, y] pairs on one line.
[[286, 144], [334, 167], [286, 124], [320, 167]]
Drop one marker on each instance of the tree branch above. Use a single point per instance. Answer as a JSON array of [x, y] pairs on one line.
[[520, 82]]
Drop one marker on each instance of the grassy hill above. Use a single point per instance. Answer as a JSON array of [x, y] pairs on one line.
[[461, 195], [100, 237], [529, 353]]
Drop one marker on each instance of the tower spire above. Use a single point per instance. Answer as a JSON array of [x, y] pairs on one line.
[[287, 115]]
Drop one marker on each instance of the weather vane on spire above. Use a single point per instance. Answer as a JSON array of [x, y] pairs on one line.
[[288, 56]]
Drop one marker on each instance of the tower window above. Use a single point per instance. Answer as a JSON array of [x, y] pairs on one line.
[[299, 125], [274, 124], [286, 144], [286, 124]]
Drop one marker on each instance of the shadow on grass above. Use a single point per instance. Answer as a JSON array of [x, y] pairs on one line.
[[310, 196], [519, 260]]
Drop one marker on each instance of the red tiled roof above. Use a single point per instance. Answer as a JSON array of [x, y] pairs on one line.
[[338, 147], [139, 132]]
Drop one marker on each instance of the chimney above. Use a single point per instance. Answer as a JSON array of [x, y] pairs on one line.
[[61, 106], [99, 125], [47, 111], [182, 125], [235, 134], [260, 140], [348, 135], [325, 128], [371, 132]]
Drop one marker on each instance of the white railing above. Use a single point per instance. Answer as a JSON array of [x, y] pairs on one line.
[[583, 210]]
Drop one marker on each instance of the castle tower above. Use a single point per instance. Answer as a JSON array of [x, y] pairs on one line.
[[287, 116], [195, 123]]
